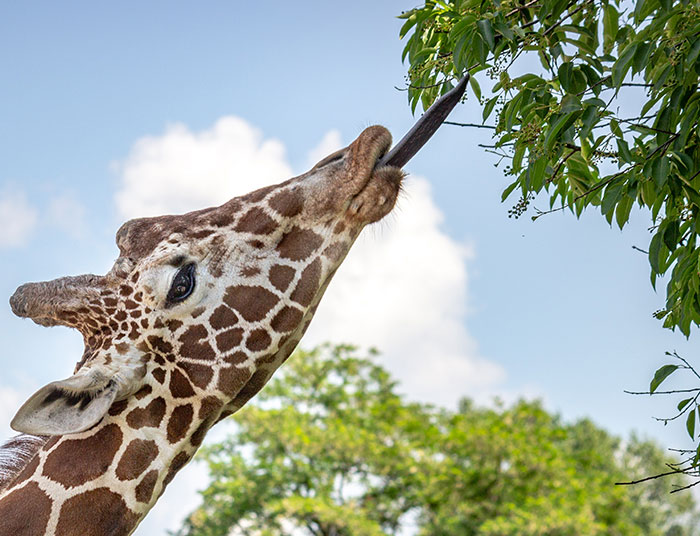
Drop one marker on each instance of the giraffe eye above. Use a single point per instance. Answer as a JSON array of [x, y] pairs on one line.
[[183, 284]]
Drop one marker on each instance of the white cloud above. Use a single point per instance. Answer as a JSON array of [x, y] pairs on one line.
[[17, 218], [182, 170], [330, 143]]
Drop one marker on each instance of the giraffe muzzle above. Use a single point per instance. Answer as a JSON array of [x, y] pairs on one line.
[[57, 302]]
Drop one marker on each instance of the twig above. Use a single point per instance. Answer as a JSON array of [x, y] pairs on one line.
[[688, 365], [674, 472], [474, 125], [521, 8], [685, 487], [571, 14], [695, 390], [561, 163]]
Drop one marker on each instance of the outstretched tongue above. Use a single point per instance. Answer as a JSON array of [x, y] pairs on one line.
[[424, 128]]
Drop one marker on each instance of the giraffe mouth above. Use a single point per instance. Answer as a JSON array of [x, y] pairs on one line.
[[377, 195], [385, 178]]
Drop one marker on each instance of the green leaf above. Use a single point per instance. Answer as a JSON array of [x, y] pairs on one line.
[[623, 64], [672, 234], [561, 124], [536, 173], [475, 87], [640, 10], [641, 57], [693, 52], [509, 190], [660, 375], [610, 26], [624, 151], [479, 48], [683, 403], [612, 195], [615, 128], [690, 423], [410, 23], [659, 171], [504, 30], [461, 50], [486, 30], [488, 108], [655, 252], [571, 78], [564, 75], [622, 211], [570, 103]]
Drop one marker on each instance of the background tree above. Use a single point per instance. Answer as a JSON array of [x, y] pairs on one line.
[[330, 448], [594, 103]]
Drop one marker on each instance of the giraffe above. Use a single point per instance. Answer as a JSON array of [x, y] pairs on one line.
[[192, 320], [195, 315]]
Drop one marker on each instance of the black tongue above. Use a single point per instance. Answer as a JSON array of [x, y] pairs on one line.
[[424, 128]]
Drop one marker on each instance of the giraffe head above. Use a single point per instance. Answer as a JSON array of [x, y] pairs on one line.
[[207, 304]]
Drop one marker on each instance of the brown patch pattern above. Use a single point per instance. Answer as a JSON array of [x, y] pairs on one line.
[[308, 284], [25, 512], [298, 244], [228, 340], [288, 203], [258, 340], [252, 303], [199, 375], [222, 317], [144, 490], [180, 386], [255, 221], [286, 320], [281, 276], [179, 422], [95, 453], [232, 379], [97, 511], [150, 416], [136, 458], [194, 345]]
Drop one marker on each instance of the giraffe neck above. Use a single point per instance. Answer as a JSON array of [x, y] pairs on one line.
[[105, 480]]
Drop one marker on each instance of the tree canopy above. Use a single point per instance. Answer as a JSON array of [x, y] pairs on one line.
[[593, 103], [330, 448]]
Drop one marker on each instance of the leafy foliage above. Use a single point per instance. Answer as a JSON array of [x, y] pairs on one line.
[[605, 114], [330, 448]]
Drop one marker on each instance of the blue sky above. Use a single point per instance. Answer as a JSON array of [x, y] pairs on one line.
[[111, 109]]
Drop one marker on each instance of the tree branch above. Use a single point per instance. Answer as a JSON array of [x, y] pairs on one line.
[[674, 472], [473, 125]]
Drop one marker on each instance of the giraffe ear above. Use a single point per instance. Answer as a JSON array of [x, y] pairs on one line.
[[67, 406]]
